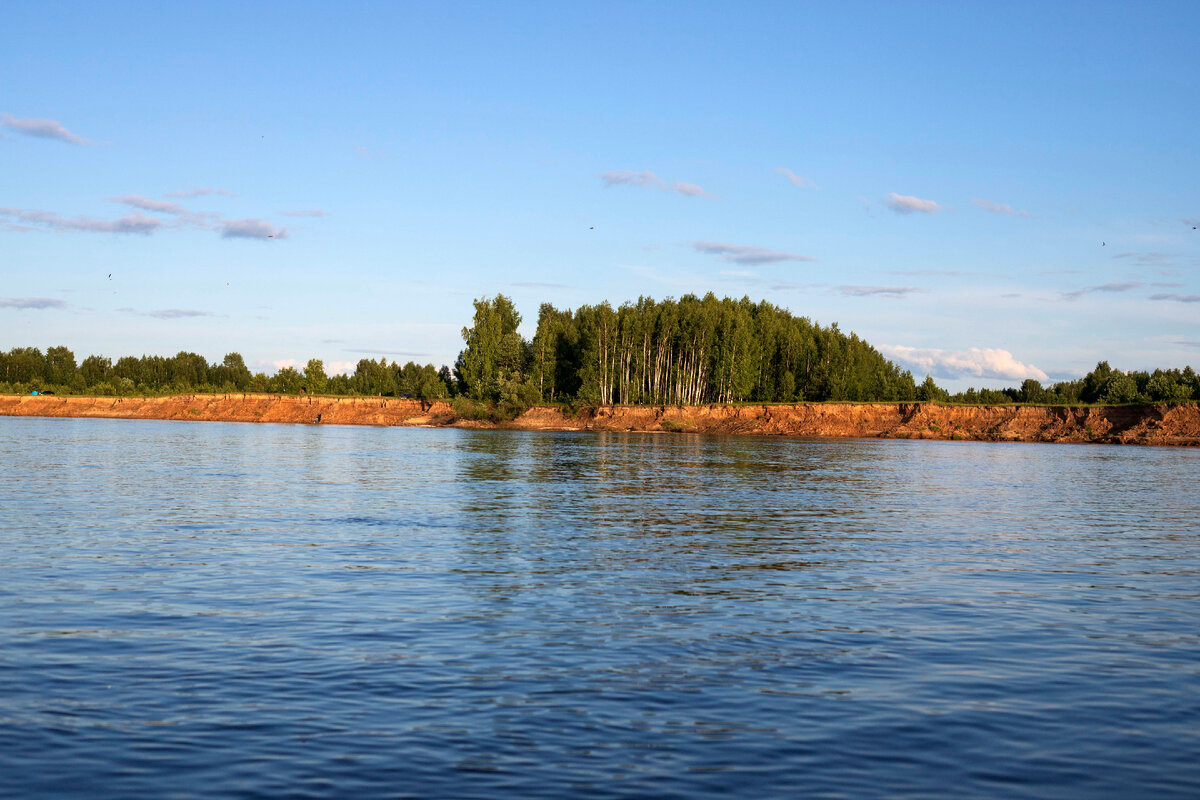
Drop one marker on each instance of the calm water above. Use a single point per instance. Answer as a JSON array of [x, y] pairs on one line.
[[216, 610]]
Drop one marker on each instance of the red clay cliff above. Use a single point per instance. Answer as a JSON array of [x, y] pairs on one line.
[[1148, 424]]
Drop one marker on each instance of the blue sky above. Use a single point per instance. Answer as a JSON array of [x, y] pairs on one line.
[[987, 192]]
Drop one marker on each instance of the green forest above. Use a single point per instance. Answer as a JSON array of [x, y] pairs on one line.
[[689, 351]]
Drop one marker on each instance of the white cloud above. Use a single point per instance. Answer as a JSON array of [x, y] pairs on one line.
[[178, 313], [42, 129], [1178, 298], [147, 204], [187, 193], [869, 291], [907, 204], [283, 363], [1152, 259], [689, 189], [31, 302], [250, 228], [980, 363], [747, 254], [369, 154], [627, 177], [133, 223], [648, 180], [999, 208], [1107, 288], [795, 179], [340, 367]]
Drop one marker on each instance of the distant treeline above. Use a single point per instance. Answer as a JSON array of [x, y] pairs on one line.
[[26, 369], [689, 351], [704, 350]]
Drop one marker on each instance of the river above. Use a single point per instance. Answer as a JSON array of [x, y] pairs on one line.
[[204, 610]]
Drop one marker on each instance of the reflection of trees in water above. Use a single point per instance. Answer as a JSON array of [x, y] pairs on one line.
[[701, 515]]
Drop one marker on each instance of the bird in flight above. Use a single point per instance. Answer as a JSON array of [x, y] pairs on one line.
[[1104, 244], [110, 274]]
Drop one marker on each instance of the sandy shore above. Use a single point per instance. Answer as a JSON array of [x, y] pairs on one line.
[[1151, 424]]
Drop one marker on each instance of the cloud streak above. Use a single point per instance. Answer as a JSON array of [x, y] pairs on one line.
[[1178, 298], [794, 179], [305, 212], [39, 303], [1110, 288], [999, 208], [48, 220], [41, 129], [250, 228], [877, 291], [147, 204], [170, 313], [747, 254], [648, 180], [907, 204], [189, 193], [977, 362]]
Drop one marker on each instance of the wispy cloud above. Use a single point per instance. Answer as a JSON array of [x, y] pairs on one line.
[[981, 363], [957, 273], [539, 285], [305, 212], [689, 189], [368, 154], [39, 303], [871, 291], [907, 204], [1152, 259], [1178, 298], [1193, 222], [148, 204], [999, 208], [627, 177], [41, 129], [747, 254], [188, 193], [250, 228], [1110, 288], [179, 313], [48, 220], [169, 313], [794, 179], [745, 274], [648, 180], [405, 353]]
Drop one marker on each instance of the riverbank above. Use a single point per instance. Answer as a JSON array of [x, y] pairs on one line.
[[1149, 424]]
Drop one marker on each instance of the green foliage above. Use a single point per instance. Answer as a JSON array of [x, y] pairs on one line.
[[25, 369], [494, 351], [691, 351], [315, 379], [929, 392]]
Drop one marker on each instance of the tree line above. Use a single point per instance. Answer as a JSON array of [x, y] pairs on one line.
[[695, 351], [1103, 385], [689, 351], [27, 369]]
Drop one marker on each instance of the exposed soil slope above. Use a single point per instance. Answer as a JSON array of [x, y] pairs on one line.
[[1153, 424]]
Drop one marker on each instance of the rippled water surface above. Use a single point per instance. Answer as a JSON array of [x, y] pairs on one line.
[[217, 610]]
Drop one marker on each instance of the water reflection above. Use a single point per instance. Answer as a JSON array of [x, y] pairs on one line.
[[285, 609]]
